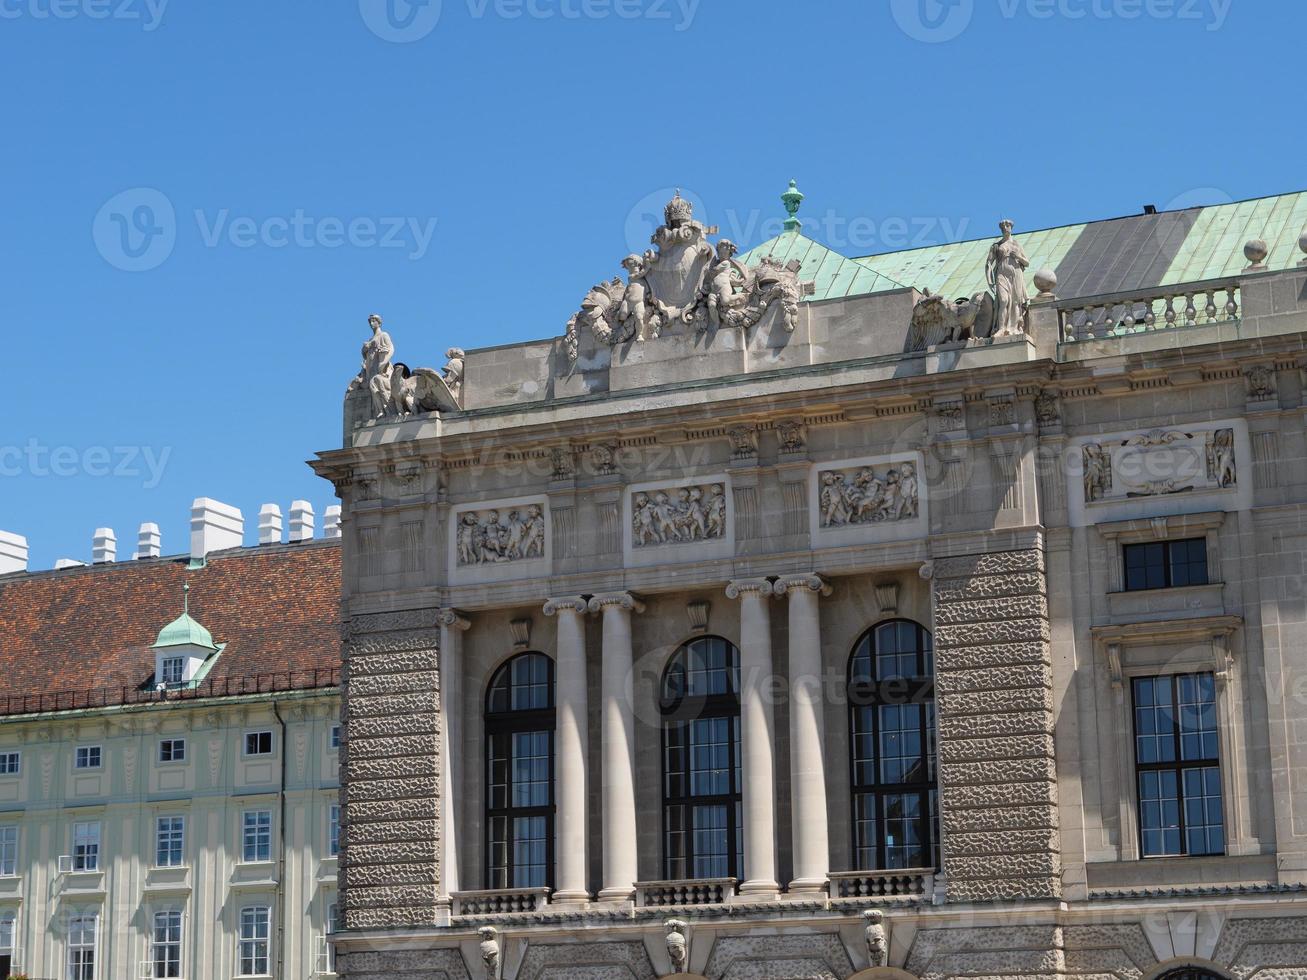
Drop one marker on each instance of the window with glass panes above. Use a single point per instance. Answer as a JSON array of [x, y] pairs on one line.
[[252, 946], [1178, 768], [166, 944], [256, 835], [700, 700], [169, 841], [172, 750], [1165, 564], [333, 830], [81, 947], [519, 723], [174, 668], [8, 851], [8, 929], [10, 763], [892, 743], [86, 847]]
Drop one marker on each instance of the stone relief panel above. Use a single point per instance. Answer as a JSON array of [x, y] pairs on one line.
[[586, 961], [819, 956], [500, 539], [679, 520], [874, 498], [1137, 474]]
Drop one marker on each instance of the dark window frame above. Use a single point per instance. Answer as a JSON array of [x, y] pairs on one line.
[[1191, 973], [1166, 569], [680, 708], [1177, 765], [868, 695], [502, 724]]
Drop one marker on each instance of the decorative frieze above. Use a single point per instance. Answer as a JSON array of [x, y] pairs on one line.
[[879, 498], [501, 539], [676, 515]]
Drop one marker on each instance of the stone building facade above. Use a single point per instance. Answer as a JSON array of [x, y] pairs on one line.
[[787, 618]]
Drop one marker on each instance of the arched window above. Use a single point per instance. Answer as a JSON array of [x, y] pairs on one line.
[[520, 774], [701, 761], [1190, 973], [892, 748]]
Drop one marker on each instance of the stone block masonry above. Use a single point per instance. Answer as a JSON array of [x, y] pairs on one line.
[[997, 776]]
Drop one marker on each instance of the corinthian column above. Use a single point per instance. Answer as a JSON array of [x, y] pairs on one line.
[[618, 719], [452, 625], [570, 843], [807, 751], [757, 735]]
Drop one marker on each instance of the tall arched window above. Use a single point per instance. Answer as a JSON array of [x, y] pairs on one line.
[[701, 761], [892, 742], [520, 774]]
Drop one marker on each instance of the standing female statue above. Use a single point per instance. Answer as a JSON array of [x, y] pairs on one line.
[[1005, 269]]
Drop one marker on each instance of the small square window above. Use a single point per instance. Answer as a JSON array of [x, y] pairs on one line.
[[258, 743], [172, 750], [10, 763], [334, 739], [1165, 564], [87, 757]]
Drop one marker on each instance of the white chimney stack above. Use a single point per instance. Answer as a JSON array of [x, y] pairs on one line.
[[13, 553], [104, 546], [331, 521], [68, 563], [301, 520], [149, 542], [269, 524], [215, 526]]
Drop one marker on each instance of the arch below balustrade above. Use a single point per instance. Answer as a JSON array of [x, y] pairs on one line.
[[1174, 968], [883, 973]]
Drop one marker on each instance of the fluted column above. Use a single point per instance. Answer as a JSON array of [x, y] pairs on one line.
[[570, 845], [757, 735], [807, 749], [452, 626], [618, 719]]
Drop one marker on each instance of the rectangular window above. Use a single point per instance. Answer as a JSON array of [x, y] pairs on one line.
[[173, 670], [1165, 564], [172, 750], [256, 841], [1177, 763], [253, 946], [166, 944], [333, 926], [8, 851], [87, 757], [258, 743], [333, 830], [170, 842], [10, 763], [81, 947], [335, 736], [86, 846]]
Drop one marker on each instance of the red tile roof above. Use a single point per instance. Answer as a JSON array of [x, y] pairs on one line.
[[81, 637]]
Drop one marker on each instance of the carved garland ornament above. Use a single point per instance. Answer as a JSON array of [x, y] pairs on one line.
[[1160, 461], [864, 496]]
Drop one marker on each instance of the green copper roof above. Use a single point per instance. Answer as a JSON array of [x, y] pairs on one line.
[[835, 275], [184, 631], [1214, 247]]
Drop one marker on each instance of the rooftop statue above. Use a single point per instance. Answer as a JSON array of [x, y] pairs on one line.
[[1005, 270], [395, 389], [686, 281]]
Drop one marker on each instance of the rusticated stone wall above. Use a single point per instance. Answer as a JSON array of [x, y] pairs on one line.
[[390, 826], [404, 964], [997, 776]]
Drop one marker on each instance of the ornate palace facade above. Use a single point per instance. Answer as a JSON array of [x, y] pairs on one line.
[[785, 617]]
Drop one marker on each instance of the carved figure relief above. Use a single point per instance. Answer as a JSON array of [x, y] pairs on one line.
[[678, 944], [491, 537], [1160, 461], [676, 515], [877, 941], [685, 281], [1098, 472], [395, 389], [863, 496], [1220, 458]]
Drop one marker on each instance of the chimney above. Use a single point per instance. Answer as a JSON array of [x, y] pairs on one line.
[[269, 524], [13, 553], [214, 527], [149, 543], [331, 521], [301, 520], [68, 563], [104, 546]]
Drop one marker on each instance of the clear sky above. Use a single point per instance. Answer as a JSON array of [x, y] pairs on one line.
[[202, 200]]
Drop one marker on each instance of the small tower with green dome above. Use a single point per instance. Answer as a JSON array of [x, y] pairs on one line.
[[182, 648]]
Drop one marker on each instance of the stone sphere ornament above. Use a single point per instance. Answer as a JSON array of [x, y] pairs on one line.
[[1302, 243], [1046, 281], [1255, 251]]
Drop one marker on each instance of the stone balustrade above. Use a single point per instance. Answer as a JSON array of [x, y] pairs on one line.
[[906, 885], [701, 891], [1158, 308], [499, 901]]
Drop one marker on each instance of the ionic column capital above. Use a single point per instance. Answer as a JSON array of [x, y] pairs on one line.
[[623, 600], [749, 586], [568, 603], [454, 619], [813, 583]]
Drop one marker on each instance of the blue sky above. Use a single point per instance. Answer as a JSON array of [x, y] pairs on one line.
[[469, 168]]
